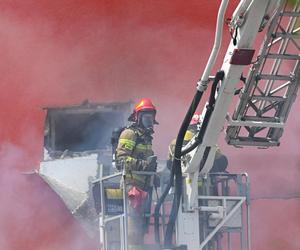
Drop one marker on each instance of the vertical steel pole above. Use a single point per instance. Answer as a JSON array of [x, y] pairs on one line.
[[102, 216], [125, 204]]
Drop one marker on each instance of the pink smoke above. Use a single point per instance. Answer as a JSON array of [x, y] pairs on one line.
[[62, 52]]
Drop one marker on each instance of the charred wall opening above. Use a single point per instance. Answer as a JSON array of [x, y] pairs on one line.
[[83, 128]]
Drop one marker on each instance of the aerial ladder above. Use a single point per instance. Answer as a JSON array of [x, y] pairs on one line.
[[270, 78], [265, 99]]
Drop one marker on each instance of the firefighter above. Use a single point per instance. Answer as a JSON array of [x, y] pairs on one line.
[[220, 163], [134, 153]]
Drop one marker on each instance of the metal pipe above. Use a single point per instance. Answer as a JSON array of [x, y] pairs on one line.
[[220, 198], [102, 216], [242, 240], [228, 241], [240, 9], [215, 50], [112, 218], [248, 227], [125, 203], [246, 176], [144, 173], [122, 235], [242, 233], [210, 209], [110, 176]]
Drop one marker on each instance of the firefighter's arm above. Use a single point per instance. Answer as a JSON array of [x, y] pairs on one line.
[[125, 148], [220, 163]]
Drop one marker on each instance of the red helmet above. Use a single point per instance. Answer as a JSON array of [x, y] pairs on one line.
[[145, 104], [195, 119]]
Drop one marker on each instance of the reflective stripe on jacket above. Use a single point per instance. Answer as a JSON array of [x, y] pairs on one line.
[[134, 147], [188, 136]]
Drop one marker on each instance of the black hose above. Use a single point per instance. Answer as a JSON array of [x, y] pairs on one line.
[[176, 171], [209, 110], [157, 209], [176, 166]]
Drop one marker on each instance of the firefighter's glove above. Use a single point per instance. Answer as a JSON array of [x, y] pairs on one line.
[[151, 163]]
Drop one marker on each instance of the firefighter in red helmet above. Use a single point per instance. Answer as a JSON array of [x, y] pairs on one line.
[[134, 153]]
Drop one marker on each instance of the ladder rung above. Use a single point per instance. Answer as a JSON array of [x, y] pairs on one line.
[[290, 13], [268, 98], [237, 123], [287, 35], [274, 77], [283, 56], [260, 119], [244, 141]]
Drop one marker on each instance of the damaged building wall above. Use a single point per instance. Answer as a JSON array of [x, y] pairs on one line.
[[62, 52]]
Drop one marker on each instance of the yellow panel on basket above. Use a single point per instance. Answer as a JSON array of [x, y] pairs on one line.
[[114, 193]]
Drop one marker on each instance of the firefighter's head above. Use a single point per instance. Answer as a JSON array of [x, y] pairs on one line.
[[144, 114]]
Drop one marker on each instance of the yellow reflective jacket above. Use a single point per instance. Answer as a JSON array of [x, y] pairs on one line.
[[187, 137], [134, 147]]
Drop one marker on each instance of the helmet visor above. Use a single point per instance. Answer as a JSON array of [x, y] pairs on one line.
[[147, 120]]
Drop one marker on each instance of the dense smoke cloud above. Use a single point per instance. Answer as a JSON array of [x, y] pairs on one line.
[[61, 53], [31, 215]]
